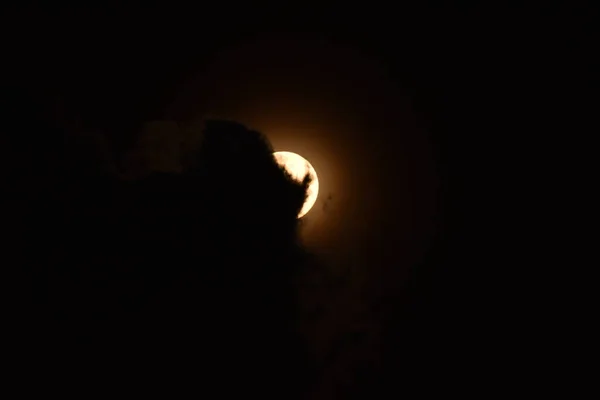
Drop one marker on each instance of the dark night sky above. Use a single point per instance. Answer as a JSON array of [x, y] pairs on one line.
[[401, 114]]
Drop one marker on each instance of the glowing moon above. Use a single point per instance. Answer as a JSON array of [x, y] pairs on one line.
[[298, 167]]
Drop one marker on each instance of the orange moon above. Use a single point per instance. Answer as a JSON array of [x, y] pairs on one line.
[[298, 167]]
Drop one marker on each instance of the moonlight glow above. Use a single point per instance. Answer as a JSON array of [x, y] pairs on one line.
[[298, 168]]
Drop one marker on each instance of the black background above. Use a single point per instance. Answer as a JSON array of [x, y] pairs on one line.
[[472, 77]]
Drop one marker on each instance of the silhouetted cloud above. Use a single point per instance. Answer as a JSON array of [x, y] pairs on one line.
[[204, 259]]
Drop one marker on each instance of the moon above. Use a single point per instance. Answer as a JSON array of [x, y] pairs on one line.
[[298, 167]]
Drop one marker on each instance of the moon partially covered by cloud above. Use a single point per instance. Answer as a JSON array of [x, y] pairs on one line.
[[298, 167], [341, 109]]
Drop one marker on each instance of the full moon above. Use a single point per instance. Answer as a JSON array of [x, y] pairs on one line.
[[298, 167]]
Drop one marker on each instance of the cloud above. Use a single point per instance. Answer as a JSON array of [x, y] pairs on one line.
[[158, 149]]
